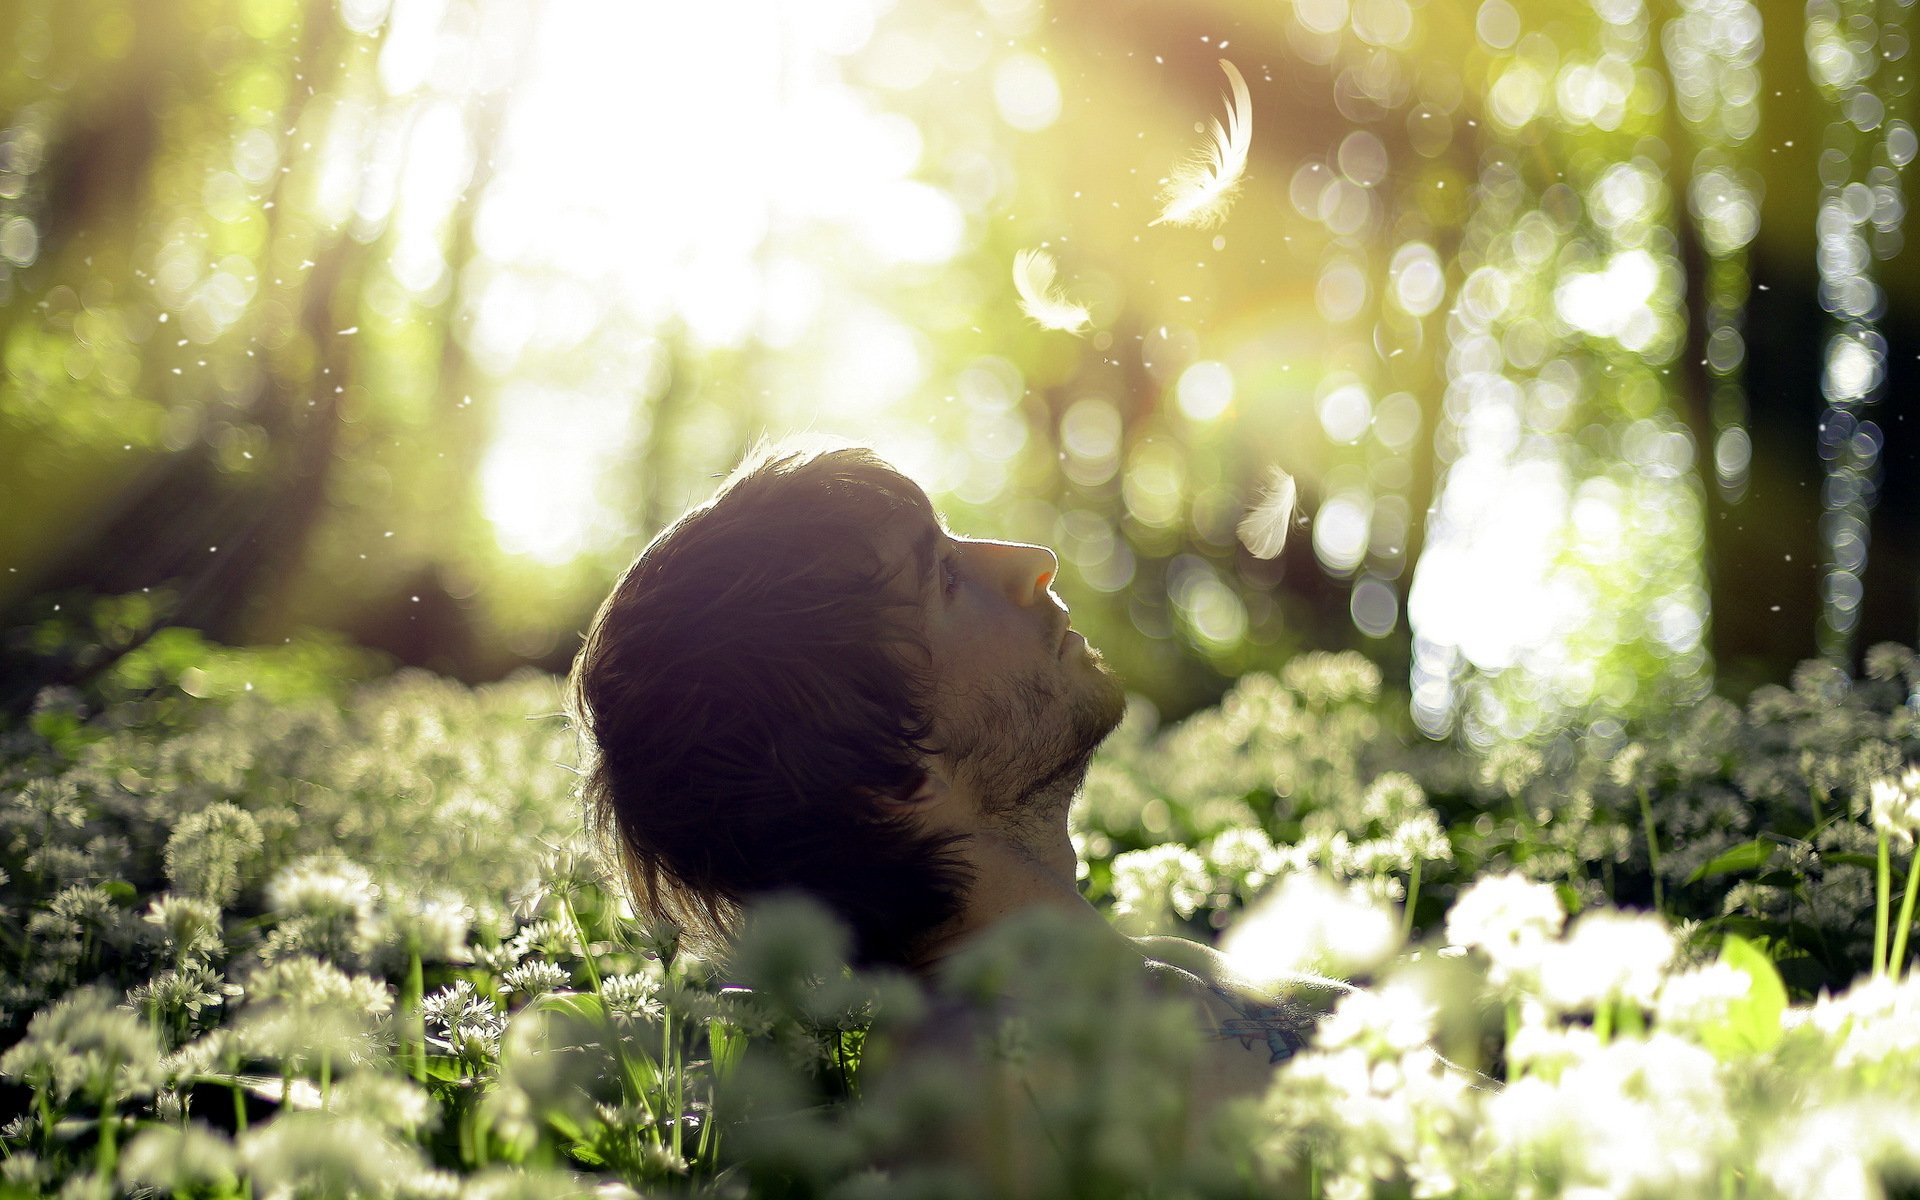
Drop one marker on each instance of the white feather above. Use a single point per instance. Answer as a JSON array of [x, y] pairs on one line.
[[1033, 278], [1264, 529], [1199, 190]]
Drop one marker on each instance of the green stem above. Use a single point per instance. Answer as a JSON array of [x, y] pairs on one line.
[[670, 1059], [1653, 850], [666, 1065], [415, 1047], [1883, 886], [630, 1087], [106, 1153], [1897, 961], [1413, 897], [586, 953], [1819, 817]]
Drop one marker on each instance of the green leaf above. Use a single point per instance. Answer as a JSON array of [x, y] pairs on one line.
[[1851, 860], [1748, 856], [1752, 1024], [1569, 899], [583, 1005]]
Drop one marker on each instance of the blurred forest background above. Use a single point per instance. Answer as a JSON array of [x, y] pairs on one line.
[[1587, 329]]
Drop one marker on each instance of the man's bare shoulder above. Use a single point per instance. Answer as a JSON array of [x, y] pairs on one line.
[[1276, 1022], [1315, 991]]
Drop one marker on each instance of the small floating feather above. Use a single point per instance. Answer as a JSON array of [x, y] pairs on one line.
[[1199, 190], [1033, 272], [1263, 531]]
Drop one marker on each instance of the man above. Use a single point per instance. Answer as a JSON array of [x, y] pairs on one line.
[[810, 684]]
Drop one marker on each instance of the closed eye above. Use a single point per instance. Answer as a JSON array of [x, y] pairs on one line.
[[949, 575]]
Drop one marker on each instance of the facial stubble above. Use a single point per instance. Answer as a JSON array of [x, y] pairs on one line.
[[1024, 741]]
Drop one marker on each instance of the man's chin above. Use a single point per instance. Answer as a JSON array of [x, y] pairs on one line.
[[1107, 702]]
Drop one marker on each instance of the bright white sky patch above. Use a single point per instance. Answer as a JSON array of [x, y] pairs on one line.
[[1613, 302], [642, 183]]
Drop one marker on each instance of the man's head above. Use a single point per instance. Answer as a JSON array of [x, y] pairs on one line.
[[809, 684]]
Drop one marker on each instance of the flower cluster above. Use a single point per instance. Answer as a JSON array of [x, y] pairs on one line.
[[361, 947]]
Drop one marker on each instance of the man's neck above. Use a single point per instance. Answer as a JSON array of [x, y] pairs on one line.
[[1010, 875]]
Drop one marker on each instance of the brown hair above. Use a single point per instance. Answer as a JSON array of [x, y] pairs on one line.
[[750, 692]]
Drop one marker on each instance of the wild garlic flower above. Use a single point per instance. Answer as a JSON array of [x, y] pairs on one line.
[[1644, 1117], [1609, 955], [1873, 1025], [434, 927], [633, 997], [323, 1154], [83, 1044], [1245, 857], [1149, 884], [1510, 767], [311, 984], [192, 927], [1324, 679], [1393, 799], [183, 994], [1310, 924], [1384, 1022], [535, 978], [1699, 998], [332, 895], [1512, 918], [395, 1104], [522, 1183], [179, 1159], [1890, 660], [1894, 806], [1421, 838], [456, 1005], [210, 852], [1841, 1150], [1628, 766]]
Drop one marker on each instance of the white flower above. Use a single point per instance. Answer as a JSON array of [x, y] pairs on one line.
[[1895, 806], [1840, 1151], [1609, 955], [1510, 917], [1875, 1024], [1308, 924], [179, 1159], [1386, 1021], [1692, 1000], [1149, 883], [1245, 854], [1633, 1117]]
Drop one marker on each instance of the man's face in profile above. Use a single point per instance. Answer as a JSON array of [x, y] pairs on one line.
[[1020, 700]]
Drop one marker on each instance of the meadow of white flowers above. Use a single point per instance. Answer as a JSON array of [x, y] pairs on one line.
[[294, 941]]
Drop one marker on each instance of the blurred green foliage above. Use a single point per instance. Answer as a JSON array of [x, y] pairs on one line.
[[414, 321]]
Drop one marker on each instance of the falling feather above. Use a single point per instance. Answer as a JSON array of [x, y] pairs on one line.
[[1264, 529], [1033, 278], [1200, 189]]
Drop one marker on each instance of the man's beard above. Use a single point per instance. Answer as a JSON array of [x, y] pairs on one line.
[[1024, 745]]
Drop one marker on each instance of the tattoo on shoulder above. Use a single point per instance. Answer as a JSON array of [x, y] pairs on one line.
[[1283, 1030]]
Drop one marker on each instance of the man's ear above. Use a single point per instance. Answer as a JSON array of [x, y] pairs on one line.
[[926, 793]]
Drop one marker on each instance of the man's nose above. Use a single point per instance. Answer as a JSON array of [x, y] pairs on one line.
[[1024, 571]]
